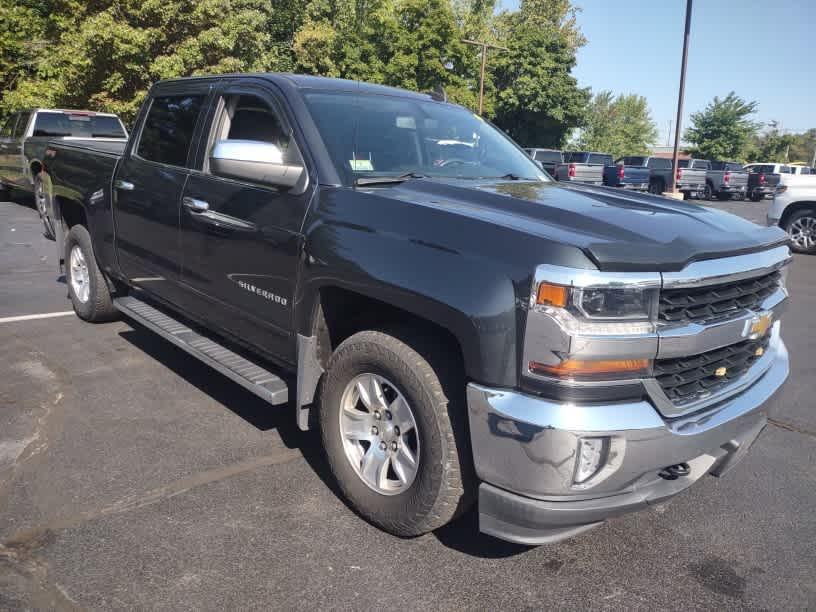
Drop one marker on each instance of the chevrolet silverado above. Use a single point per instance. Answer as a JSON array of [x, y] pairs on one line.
[[457, 326]]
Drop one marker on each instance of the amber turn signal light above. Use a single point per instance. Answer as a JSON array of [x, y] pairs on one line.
[[578, 367], [552, 295]]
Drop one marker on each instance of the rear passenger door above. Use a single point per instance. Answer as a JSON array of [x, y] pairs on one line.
[[148, 187], [241, 240]]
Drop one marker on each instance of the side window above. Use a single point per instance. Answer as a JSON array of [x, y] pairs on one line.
[[8, 127], [22, 124], [168, 129], [250, 118]]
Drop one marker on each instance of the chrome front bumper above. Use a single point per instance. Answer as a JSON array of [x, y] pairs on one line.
[[526, 448]]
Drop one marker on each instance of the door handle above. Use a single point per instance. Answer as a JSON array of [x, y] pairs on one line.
[[197, 206], [123, 185]]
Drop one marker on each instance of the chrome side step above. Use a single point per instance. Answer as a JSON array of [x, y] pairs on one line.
[[259, 381]]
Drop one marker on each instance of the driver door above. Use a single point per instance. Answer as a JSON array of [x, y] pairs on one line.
[[241, 240]]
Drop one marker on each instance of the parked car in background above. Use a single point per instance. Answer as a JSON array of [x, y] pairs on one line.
[[627, 175], [547, 159], [799, 169], [583, 167], [724, 180], [691, 176], [763, 180], [794, 210], [23, 141], [556, 355]]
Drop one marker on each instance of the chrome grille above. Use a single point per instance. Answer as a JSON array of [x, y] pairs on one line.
[[703, 304], [687, 379]]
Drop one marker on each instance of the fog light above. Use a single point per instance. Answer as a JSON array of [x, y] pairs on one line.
[[592, 454]]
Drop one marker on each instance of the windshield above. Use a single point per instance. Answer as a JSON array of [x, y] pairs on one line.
[[85, 125], [548, 156], [396, 136], [632, 161]]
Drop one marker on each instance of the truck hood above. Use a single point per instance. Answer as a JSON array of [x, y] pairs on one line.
[[615, 229]]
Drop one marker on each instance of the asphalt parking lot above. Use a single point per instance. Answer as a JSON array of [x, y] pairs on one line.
[[132, 476]]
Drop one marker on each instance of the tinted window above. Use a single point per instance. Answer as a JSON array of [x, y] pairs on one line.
[[168, 129], [785, 170], [698, 164], [806, 170], [633, 161], [8, 127], [576, 157], [83, 125], [397, 135], [548, 156], [660, 163], [22, 124], [600, 158], [733, 167]]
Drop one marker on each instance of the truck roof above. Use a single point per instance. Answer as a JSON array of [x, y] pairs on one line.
[[304, 81], [69, 111]]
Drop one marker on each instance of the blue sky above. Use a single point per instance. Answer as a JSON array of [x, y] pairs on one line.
[[765, 51]]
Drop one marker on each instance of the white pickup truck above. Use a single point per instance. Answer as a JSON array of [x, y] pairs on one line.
[[794, 210]]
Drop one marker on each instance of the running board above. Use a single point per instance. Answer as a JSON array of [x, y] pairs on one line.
[[259, 381]]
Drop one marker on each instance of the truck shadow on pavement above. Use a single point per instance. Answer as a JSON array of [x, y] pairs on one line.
[[461, 535]]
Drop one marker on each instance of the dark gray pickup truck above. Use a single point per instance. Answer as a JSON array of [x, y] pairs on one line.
[[402, 277]]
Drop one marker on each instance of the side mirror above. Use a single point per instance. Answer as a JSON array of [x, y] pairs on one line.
[[255, 161]]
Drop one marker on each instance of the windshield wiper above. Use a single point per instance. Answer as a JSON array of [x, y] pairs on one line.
[[386, 180]]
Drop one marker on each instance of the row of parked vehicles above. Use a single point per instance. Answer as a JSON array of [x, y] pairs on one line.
[[700, 178]]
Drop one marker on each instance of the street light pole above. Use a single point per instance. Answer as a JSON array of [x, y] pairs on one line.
[[675, 153], [485, 46]]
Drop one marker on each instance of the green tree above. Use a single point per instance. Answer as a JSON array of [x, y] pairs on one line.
[[723, 129], [770, 146], [619, 126], [803, 147], [537, 100]]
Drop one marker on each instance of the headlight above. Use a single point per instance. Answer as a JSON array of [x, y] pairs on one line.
[[600, 310]]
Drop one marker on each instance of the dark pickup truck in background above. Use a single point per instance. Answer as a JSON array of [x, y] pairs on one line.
[[762, 180], [457, 326], [23, 139], [633, 176]]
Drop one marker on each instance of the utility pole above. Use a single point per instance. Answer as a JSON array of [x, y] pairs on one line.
[[485, 46], [673, 186]]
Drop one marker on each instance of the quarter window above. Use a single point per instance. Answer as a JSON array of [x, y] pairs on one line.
[[8, 127], [22, 124], [168, 129]]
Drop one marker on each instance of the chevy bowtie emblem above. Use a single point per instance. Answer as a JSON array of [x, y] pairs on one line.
[[758, 326], [720, 372]]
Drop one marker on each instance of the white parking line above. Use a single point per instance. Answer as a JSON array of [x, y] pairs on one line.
[[31, 317]]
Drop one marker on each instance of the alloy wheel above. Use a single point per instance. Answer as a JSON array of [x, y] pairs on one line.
[[80, 277], [803, 232]]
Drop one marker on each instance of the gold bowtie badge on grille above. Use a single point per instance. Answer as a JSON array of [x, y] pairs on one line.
[[721, 371]]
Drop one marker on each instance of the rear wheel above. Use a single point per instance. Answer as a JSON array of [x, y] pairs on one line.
[[656, 187], [708, 192], [86, 286], [395, 437], [755, 196], [44, 208], [801, 226]]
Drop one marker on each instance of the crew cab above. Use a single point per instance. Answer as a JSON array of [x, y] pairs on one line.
[[459, 328], [23, 139], [725, 180], [627, 175], [691, 176], [763, 179], [583, 167]]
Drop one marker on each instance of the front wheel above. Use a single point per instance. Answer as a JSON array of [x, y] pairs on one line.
[[41, 199], [708, 193], [86, 286], [801, 227], [395, 438]]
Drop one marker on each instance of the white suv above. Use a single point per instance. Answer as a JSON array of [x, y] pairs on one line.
[[794, 210]]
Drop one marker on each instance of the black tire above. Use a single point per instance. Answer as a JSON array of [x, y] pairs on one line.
[[804, 243], [443, 486], [724, 196], [44, 209], [657, 187], [98, 305], [708, 192], [756, 197]]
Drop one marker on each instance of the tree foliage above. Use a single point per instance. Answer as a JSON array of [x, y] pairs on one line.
[[105, 54], [724, 129], [619, 126]]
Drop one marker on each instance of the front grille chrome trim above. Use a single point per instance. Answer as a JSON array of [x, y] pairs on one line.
[[727, 269]]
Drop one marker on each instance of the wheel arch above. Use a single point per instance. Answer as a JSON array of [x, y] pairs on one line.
[[794, 208]]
